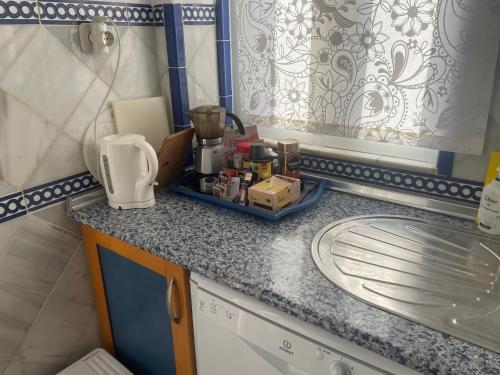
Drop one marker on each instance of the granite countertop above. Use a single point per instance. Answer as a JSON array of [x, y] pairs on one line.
[[272, 262]]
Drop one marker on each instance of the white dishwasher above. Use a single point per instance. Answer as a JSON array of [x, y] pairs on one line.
[[238, 335]]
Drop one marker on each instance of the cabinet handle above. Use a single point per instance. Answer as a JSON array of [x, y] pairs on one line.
[[174, 315]]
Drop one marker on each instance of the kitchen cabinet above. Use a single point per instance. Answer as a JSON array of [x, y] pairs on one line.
[[144, 306]]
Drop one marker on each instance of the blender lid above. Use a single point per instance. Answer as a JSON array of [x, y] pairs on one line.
[[208, 109]]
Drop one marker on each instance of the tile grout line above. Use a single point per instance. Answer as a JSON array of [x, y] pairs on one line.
[[45, 155], [60, 129], [127, 13], [38, 8], [155, 54], [25, 201], [21, 288], [46, 300], [188, 63], [96, 77], [162, 67], [13, 237], [80, 101], [14, 61], [93, 308], [199, 85], [28, 104]]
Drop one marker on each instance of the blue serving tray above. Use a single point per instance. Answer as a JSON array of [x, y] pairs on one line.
[[186, 185]]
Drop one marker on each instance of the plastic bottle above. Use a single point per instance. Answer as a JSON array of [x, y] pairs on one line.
[[489, 209], [241, 154]]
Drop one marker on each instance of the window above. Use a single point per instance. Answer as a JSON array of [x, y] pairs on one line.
[[387, 78]]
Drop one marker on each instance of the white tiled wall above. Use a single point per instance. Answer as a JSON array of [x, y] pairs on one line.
[[201, 63], [474, 167], [161, 56], [49, 93], [47, 315]]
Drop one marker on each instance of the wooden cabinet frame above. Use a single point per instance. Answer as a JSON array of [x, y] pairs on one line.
[[182, 331]]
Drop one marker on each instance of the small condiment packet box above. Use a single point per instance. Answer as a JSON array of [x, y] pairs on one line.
[[295, 186], [275, 192]]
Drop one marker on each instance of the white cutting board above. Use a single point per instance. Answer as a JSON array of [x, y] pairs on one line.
[[146, 116]]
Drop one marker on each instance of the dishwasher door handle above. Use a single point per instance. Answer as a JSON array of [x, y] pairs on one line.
[[172, 310]]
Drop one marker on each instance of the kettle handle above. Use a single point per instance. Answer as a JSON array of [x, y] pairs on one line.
[[238, 122], [153, 167]]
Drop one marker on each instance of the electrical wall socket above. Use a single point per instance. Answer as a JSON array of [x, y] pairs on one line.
[[94, 36]]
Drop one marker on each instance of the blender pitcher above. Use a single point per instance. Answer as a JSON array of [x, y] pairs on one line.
[[210, 121]]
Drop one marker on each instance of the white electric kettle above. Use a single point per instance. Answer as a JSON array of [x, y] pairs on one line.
[[129, 166]]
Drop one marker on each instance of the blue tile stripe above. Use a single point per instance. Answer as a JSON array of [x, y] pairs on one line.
[[445, 163], [223, 36], [462, 190], [35, 198], [222, 20], [174, 33]]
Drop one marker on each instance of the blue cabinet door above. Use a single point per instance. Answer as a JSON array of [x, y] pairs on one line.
[[141, 327]]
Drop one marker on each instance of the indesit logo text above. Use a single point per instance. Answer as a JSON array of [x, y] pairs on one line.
[[286, 346]]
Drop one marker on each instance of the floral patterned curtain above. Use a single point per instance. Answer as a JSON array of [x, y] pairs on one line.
[[408, 72]]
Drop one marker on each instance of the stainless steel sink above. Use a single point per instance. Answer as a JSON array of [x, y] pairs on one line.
[[432, 274]]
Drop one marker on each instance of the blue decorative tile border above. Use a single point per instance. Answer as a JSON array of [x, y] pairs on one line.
[[12, 206], [445, 187], [198, 14], [192, 14], [56, 191], [19, 203], [74, 12], [140, 15], [22, 12], [158, 15]]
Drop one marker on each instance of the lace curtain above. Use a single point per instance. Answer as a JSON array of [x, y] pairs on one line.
[[407, 72]]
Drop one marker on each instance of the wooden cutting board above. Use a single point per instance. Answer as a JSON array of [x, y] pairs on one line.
[[172, 156]]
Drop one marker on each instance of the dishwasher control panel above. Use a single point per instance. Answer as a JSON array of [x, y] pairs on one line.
[[218, 310], [284, 351]]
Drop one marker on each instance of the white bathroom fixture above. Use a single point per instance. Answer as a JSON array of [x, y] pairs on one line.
[[98, 362], [94, 36], [129, 166]]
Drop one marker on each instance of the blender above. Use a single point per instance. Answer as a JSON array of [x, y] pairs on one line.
[[209, 125]]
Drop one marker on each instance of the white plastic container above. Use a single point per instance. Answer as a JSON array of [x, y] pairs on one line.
[[489, 209], [97, 362]]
